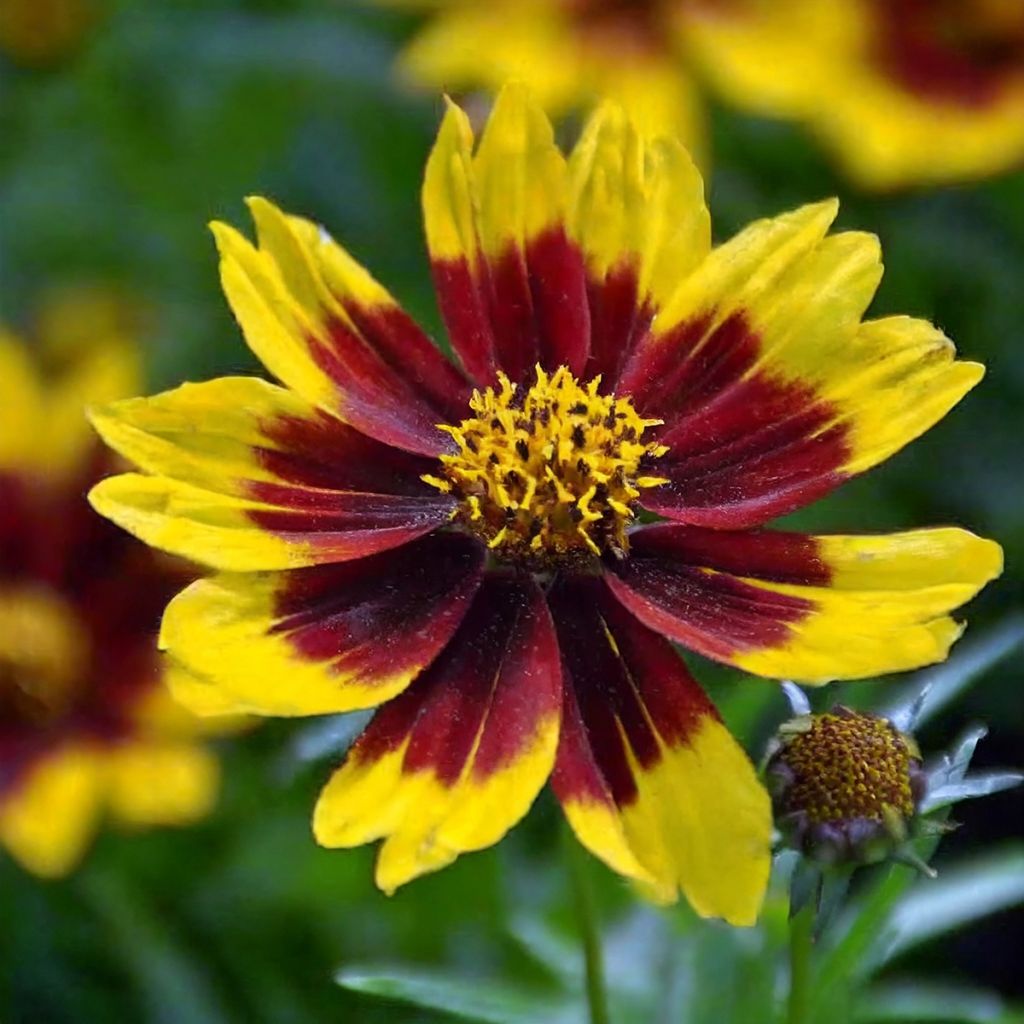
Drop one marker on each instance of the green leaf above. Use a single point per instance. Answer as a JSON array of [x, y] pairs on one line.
[[927, 693], [171, 980], [982, 784], [553, 952], [804, 885], [958, 897], [866, 920], [486, 1002], [952, 767], [922, 1001]]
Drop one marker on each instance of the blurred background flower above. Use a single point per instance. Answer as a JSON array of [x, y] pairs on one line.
[[569, 52], [86, 726], [112, 160], [902, 92]]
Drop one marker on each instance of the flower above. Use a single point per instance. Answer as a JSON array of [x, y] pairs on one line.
[[485, 580], [85, 724], [569, 52], [845, 785], [904, 92]]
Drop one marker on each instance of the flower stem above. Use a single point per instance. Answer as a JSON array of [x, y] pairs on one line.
[[801, 940], [590, 935]]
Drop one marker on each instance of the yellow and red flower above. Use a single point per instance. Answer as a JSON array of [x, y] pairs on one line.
[[85, 723], [569, 52], [903, 91], [483, 580]]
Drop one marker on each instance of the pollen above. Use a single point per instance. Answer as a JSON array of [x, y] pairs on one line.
[[847, 766], [549, 475]]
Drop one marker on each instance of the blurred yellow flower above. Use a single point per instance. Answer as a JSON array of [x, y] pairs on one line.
[[904, 92], [85, 724], [569, 52]]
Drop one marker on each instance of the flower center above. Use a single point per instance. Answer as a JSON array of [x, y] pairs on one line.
[[549, 476], [846, 766], [42, 647]]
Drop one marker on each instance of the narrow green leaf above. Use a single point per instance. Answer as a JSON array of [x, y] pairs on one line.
[[862, 928], [549, 949], [483, 1001], [171, 980], [922, 1001], [958, 897], [973, 786], [952, 766], [804, 885], [928, 692]]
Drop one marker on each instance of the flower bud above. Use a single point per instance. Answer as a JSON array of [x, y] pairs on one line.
[[844, 786]]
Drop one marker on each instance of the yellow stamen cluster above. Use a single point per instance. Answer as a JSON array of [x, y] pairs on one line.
[[847, 765], [549, 475], [41, 652]]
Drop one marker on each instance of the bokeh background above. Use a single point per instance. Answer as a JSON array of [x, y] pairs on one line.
[[115, 150]]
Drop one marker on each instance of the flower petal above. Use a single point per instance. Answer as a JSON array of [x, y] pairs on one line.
[[456, 760], [16, 524], [45, 430], [637, 211], [281, 532], [510, 283], [252, 476], [373, 313], [837, 68], [772, 389], [319, 640], [158, 714], [650, 779], [201, 697], [22, 404], [328, 331], [468, 46], [791, 605], [49, 814], [234, 434], [161, 783]]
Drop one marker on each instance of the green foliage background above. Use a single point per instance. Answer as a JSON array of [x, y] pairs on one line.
[[111, 162]]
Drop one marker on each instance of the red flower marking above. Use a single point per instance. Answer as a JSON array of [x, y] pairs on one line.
[[484, 695], [954, 51], [379, 614]]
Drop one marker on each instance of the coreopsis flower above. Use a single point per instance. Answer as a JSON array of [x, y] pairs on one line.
[[569, 52], [903, 91], [459, 542], [86, 725]]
